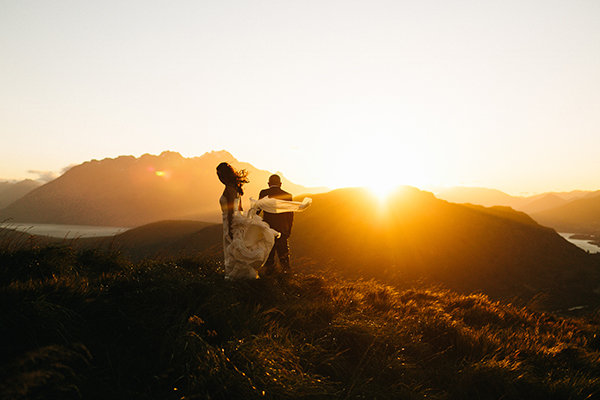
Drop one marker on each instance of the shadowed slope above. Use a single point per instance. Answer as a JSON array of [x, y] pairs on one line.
[[163, 239], [498, 251]]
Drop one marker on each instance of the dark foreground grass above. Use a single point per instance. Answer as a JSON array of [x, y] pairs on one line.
[[86, 325]]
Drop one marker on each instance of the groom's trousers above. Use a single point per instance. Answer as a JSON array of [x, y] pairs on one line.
[[282, 249]]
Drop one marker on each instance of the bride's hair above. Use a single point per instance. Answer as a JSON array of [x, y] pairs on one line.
[[229, 176]]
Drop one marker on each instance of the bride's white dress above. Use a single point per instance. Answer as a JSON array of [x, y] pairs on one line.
[[253, 239]]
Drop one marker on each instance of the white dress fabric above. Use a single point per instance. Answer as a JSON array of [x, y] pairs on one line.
[[277, 206], [253, 239]]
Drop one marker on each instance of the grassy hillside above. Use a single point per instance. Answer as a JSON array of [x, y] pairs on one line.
[[86, 325], [414, 237], [162, 239], [12, 239], [496, 250]]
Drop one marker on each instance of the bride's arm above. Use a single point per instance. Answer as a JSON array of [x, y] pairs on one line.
[[229, 196]]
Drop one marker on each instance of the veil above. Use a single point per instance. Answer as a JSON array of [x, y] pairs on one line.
[[277, 206]]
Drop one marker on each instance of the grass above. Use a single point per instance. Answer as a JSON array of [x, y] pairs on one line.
[[83, 324]]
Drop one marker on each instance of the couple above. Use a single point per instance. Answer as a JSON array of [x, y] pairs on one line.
[[248, 240]]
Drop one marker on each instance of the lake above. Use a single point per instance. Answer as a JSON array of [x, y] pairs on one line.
[[83, 231], [64, 231], [584, 244]]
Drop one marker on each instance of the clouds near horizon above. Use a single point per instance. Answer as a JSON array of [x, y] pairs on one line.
[[44, 176]]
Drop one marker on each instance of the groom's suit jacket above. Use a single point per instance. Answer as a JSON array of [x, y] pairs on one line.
[[282, 222]]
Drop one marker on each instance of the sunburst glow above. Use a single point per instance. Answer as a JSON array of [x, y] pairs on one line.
[[382, 191]]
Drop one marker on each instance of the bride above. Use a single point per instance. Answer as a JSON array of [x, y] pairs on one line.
[[247, 239]]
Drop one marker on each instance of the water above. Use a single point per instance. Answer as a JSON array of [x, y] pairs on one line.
[[64, 231], [83, 231], [584, 244]]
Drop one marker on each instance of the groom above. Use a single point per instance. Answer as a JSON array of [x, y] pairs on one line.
[[282, 223]]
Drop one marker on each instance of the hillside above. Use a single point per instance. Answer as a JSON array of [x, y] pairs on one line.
[[578, 216], [86, 325], [163, 239], [12, 191], [498, 251], [129, 191], [11, 239]]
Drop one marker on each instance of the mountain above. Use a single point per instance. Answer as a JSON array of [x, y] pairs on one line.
[[482, 196], [577, 211], [578, 194], [493, 197], [11, 191], [498, 251], [578, 216], [129, 191], [541, 203]]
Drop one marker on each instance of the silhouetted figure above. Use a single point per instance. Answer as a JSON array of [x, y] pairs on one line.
[[281, 222], [247, 239]]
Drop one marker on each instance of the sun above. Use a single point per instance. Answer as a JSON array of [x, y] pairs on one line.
[[384, 166], [380, 186], [381, 191]]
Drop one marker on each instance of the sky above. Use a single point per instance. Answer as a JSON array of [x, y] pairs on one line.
[[502, 94]]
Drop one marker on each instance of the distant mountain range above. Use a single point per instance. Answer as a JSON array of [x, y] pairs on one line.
[[129, 191], [577, 211], [578, 216], [12, 191]]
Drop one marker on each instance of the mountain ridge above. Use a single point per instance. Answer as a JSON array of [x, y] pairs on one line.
[[12, 191], [130, 191], [580, 216], [575, 211]]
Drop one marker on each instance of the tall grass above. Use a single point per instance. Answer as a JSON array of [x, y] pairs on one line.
[[83, 324]]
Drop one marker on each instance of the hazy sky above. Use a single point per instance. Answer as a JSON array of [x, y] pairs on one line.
[[501, 94]]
